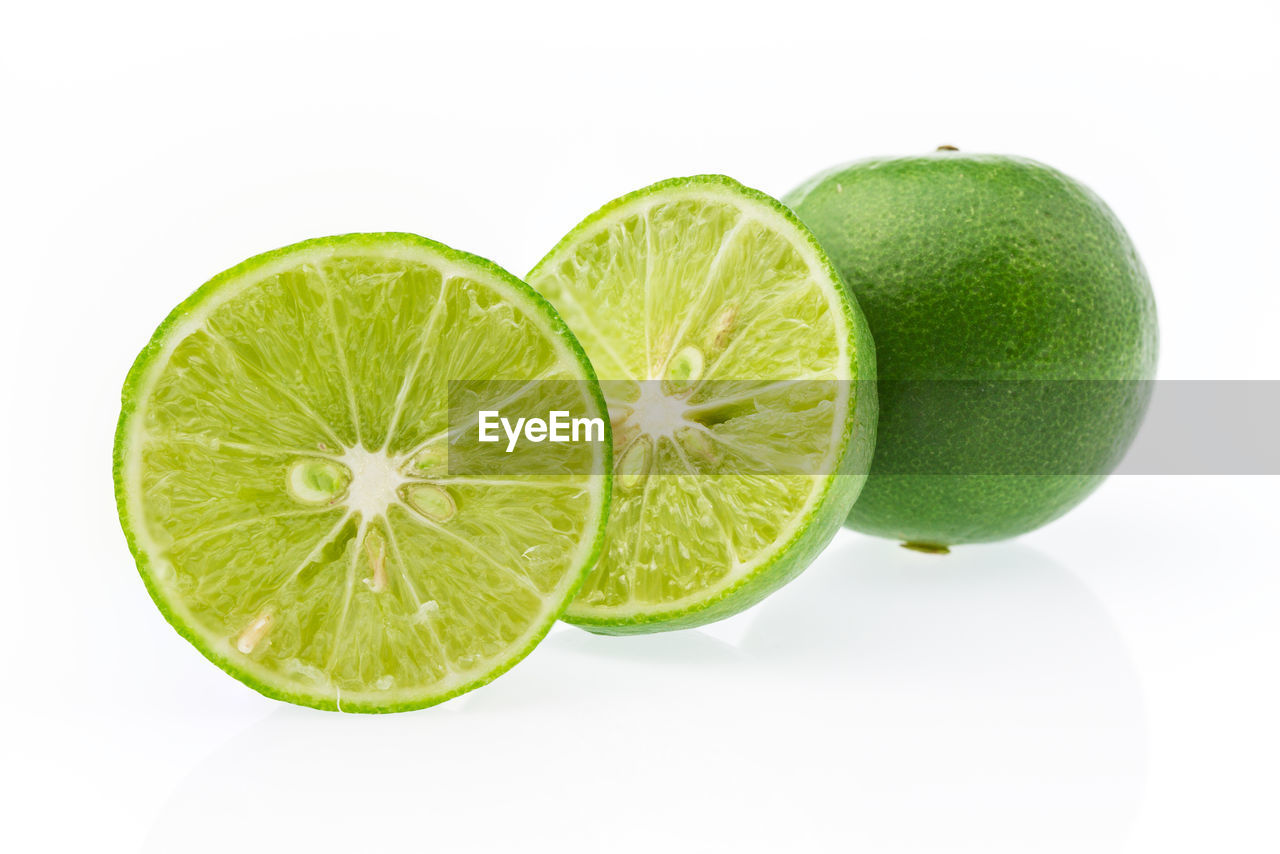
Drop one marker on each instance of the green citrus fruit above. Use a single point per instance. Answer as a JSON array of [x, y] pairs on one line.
[[281, 474], [1014, 325], [729, 352]]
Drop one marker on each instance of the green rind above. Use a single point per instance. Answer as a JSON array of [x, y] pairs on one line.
[[813, 535], [987, 267], [129, 403]]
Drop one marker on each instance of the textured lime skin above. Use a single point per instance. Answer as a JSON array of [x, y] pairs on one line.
[[131, 395], [842, 486], [987, 267]]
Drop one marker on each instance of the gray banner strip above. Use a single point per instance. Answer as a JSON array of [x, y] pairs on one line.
[[1208, 427], [960, 427]]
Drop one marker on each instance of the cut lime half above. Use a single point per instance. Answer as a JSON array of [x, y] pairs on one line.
[[281, 470], [738, 370]]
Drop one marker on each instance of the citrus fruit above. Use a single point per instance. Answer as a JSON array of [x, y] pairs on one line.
[[282, 477], [737, 370], [1015, 329]]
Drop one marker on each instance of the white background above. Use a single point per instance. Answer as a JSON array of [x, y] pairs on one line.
[[1108, 683]]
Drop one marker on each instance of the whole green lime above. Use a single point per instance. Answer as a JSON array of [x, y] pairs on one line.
[[1015, 331]]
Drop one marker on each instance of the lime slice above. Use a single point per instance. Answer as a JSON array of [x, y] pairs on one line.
[[281, 469], [737, 368]]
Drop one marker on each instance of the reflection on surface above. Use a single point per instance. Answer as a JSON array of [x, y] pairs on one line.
[[980, 701]]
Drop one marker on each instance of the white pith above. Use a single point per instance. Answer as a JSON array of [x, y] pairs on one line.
[[656, 413], [375, 481]]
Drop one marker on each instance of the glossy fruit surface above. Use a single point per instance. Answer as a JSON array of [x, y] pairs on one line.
[[987, 281]]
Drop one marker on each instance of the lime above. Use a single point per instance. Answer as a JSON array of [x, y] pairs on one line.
[[730, 354], [1016, 330], [281, 470]]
